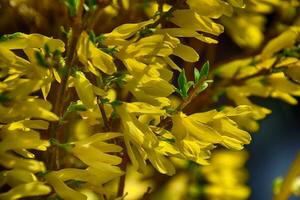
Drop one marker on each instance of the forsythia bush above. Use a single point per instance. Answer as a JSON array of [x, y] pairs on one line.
[[118, 97]]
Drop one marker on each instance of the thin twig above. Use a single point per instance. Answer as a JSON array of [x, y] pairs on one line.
[[166, 15], [59, 101], [165, 123], [286, 187], [104, 117]]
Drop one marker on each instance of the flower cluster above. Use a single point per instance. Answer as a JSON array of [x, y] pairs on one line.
[[76, 111]]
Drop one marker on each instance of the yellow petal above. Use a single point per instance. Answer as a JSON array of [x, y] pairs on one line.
[[93, 156], [11, 161], [84, 90], [229, 128], [161, 163], [18, 176], [211, 8], [237, 3], [189, 19], [127, 30], [62, 189], [26, 190], [285, 40], [23, 139], [184, 32], [98, 137], [89, 54], [186, 53], [24, 41]]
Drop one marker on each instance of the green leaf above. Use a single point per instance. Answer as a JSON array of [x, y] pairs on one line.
[[196, 75], [92, 37], [42, 174], [72, 6], [104, 100], [110, 50], [188, 85], [74, 183], [184, 85], [116, 103], [203, 86], [204, 70], [92, 4], [170, 110], [41, 59], [10, 36], [100, 38], [118, 78], [66, 33], [182, 81], [146, 32], [47, 49], [75, 106], [168, 140], [65, 146]]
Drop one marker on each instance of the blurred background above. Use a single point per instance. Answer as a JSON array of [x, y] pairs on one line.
[[276, 144], [273, 148]]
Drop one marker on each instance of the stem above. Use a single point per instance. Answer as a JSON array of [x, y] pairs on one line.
[[167, 14], [160, 5], [59, 101], [293, 172], [226, 83], [104, 117], [123, 166], [93, 18]]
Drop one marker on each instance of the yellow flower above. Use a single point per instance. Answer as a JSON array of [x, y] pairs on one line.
[[23, 183], [246, 29], [91, 177], [84, 90], [91, 150], [28, 108], [125, 31], [93, 57], [31, 44], [226, 176], [284, 40], [212, 127], [211, 8], [26, 190], [24, 41], [135, 183], [141, 142], [151, 86], [194, 21]]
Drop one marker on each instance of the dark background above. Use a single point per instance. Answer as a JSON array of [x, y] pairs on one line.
[[273, 148]]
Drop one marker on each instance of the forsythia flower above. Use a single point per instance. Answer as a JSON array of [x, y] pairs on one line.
[[271, 74], [23, 183], [112, 98], [199, 132], [226, 176], [18, 133], [141, 142]]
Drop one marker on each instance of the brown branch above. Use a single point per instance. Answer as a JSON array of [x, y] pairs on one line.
[[165, 123], [104, 117], [167, 14], [59, 102], [123, 166]]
